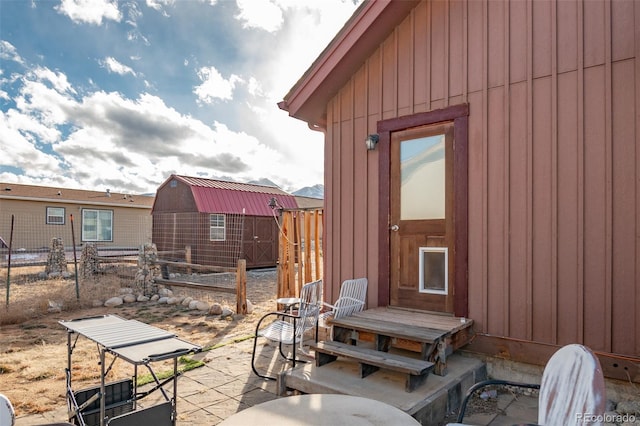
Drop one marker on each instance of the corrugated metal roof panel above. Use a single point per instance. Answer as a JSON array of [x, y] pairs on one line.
[[223, 200], [235, 186]]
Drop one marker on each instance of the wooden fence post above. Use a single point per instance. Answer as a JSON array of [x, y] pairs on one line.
[[187, 257], [317, 238], [307, 247], [241, 287], [292, 290]]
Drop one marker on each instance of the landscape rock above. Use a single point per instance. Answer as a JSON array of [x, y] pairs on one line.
[[143, 298], [165, 292], [129, 298], [226, 312], [56, 259], [187, 301], [163, 299], [628, 407], [215, 309], [202, 306], [114, 301], [173, 301], [193, 304], [249, 306], [155, 297], [54, 307]]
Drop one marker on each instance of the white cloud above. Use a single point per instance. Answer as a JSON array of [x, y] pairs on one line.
[[107, 140], [133, 142], [8, 52], [214, 86], [264, 14], [90, 11], [112, 65], [160, 6], [17, 148], [57, 79]]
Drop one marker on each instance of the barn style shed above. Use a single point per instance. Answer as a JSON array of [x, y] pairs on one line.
[[218, 221], [500, 176]]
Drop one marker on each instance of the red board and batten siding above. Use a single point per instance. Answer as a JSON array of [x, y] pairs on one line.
[[553, 90]]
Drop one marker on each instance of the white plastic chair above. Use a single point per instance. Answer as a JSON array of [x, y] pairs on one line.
[[290, 326], [352, 298], [572, 387], [7, 415]]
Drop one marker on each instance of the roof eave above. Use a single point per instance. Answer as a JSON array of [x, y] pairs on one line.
[[370, 24]]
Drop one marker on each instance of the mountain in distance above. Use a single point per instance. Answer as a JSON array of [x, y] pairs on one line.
[[315, 191], [264, 182]]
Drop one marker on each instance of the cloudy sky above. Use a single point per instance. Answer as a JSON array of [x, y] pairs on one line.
[[107, 94]]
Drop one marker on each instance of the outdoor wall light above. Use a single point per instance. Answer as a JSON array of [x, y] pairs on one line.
[[273, 203], [371, 141]]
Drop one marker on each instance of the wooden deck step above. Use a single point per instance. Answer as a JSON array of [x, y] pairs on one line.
[[371, 360], [391, 329], [433, 336]]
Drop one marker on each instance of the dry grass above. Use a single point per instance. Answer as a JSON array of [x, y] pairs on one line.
[[30, 296]]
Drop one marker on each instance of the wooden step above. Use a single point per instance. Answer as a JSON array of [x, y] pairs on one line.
[[371, 360], [391, 329]]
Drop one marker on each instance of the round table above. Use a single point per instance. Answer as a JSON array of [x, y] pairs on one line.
[[321, 409]]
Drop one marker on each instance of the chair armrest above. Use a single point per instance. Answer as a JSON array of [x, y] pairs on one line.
[[485, 383], [328, 305], [275, 313]]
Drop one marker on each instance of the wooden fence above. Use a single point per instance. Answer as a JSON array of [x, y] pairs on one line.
[[240, 289], [300, 250]]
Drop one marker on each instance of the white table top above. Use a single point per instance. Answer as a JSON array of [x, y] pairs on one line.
[[321, 409], [136, 342]]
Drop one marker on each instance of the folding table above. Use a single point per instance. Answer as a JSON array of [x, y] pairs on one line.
[[134, 342]]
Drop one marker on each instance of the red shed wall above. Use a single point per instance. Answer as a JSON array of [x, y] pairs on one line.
[[554, 192]]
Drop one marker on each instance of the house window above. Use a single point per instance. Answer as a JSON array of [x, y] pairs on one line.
[[97, 225], [217, 230], [55, 215]]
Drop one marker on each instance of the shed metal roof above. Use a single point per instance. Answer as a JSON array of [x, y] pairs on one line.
[[217, 196]]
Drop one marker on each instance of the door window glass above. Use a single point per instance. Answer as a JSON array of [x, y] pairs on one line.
[[422, 178]]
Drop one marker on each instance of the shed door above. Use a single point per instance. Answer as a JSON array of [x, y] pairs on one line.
[[421, 213], [260, 242]]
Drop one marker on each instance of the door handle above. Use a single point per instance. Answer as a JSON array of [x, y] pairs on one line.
[[394, 228]]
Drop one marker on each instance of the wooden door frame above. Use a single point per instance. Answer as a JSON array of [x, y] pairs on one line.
[[459, 115]]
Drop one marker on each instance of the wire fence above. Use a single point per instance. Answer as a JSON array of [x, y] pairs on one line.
[[38, 258]]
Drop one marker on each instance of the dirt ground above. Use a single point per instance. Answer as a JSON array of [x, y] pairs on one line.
[[33, 351]]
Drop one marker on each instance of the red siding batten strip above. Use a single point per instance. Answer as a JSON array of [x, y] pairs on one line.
[[554, 173], [507, 172], [529, 187], [609, 181], [637, 177]]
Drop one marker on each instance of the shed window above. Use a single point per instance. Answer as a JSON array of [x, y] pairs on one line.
[[55, 215], [217, 231], [97, 225]]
